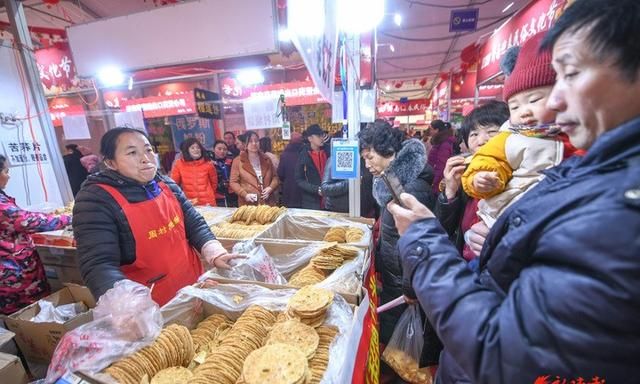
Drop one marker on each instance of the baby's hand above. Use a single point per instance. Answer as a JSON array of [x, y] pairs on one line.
[[486, 182]]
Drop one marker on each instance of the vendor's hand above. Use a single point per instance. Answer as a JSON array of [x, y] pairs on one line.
[[222, 261], [453, 171], [479, 234], [251, 198], [486, 182], [414, 211], [208, 283], [266, 193]]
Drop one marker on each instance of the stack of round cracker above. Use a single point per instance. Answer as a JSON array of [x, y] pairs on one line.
[[276, 364], [310, 305], [297, 334], [223, 364], [308, 275], [173, 375], [344, 235], [260, 214], [173, 347], [236, 230], [320, 361], [209, 331], [331, 257]]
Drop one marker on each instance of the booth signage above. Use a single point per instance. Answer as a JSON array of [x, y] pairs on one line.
[[463, 20], [21, 152], [56, 68], [396, 108], [59, 111], [536, 17], [344, 159], [207, 104], [161, 106], [184, 127]]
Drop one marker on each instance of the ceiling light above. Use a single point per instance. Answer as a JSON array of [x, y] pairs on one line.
[[507, 7], [358, 16], [397, 18], [284, 35], [388, 87], [250, 76], [305, 17], [392, 48], [111, 76], [130, 87]]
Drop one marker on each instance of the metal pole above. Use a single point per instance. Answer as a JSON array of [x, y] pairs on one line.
[[27, 56], [353, 114], [449, 95]]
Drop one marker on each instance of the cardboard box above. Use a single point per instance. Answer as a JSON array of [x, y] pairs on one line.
[[38, 341], [11, 370], [53, 255], [298, 228]]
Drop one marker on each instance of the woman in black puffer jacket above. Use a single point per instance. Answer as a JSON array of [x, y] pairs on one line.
[[383, 150]]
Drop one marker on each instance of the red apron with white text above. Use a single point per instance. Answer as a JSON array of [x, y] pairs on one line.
[[163, 254]]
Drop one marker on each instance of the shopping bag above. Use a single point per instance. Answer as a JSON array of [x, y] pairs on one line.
[[403, 352]]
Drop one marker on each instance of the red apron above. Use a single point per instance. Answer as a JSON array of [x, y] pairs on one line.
[[163, 254]]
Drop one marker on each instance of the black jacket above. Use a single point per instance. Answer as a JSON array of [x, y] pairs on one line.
[[335, 191], [103, 236], [450, 213], [308, 179], [291, 193], [75, 170], [558, 293]]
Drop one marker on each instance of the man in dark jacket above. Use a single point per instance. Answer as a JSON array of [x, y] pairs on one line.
[[291, 193], [310, 168], [558, 294], [75, 170]]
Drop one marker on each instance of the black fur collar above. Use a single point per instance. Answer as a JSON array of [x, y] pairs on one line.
[[407, 165]]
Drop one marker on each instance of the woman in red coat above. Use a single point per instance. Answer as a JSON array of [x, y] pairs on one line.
[[195, 174]]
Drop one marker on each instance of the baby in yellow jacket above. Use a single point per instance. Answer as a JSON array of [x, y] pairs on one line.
[[512, 162]]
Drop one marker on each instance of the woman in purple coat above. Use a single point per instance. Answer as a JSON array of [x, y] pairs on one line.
[[441, 150]]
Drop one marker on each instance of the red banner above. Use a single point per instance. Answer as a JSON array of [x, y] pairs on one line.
[[61, 107], [56, 69], [536, 17], [464, 88], [295, 93], [161, 106], [396, 108]]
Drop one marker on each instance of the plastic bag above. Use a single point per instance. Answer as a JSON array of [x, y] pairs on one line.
[[347, 278], [125, 320], [60, 314], [257, 266], [193, 304], [405, 347]]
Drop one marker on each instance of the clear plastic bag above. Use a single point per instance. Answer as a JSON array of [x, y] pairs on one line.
[[405, 347], [257, 266], [193, 304], [60, 314], [347, 278], [125, 320]]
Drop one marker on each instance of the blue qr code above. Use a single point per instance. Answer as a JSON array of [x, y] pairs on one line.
[[345, 161]]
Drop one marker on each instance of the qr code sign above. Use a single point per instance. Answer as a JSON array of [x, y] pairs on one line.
[[345, 161]]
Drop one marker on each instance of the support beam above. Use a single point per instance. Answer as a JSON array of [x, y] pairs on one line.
[[22, 38], [353, 115]]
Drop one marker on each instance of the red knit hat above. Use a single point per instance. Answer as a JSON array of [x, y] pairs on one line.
[[532, 68]]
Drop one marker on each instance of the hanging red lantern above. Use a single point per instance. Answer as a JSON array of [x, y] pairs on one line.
[[423, 82], [470, 54], [444, 76], [399, 84], [51, 2]]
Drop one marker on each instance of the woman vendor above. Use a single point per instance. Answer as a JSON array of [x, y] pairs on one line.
[[130, 222]]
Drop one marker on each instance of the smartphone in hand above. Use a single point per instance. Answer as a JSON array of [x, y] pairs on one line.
[[395, 187]]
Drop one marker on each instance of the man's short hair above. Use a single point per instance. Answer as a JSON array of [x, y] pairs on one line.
[[492, 113], [230, 133], [612, 27]]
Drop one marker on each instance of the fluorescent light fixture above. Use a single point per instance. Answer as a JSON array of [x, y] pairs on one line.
[[130, 87], [111, 76], [392, 48], [397, 18], [250, 76], [284, 35], [507, 7], [358, 16], [305, 17]]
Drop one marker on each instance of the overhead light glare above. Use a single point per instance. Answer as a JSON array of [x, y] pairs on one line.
[[111, 76], [250, 77], [284, 35], [392, 48], [397, 18], [507, 7], [358, 16]]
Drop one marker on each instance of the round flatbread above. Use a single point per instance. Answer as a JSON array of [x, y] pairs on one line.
[[173, 375], [275, 364]]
